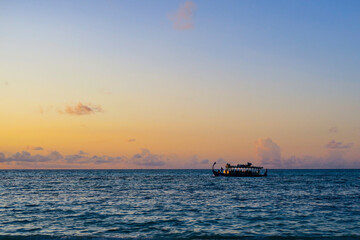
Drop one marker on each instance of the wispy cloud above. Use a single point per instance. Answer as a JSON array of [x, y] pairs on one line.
[[45, 109], [37, 148], [183, 19], [81, 152], [81, 109], [104, 91], [337, 145], [132, 140], [333, 130], [4, 83]]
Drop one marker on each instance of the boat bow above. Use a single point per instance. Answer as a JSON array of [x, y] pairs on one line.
[[214, 172]]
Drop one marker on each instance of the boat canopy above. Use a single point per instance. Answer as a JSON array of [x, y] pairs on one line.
[[248, 165]]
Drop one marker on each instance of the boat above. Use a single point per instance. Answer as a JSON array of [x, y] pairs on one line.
[[240, 170]]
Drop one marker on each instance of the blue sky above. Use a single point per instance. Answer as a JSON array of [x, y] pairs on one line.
[[243, 71]]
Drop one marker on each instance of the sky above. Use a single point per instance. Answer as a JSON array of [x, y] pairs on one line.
[[133, 84]]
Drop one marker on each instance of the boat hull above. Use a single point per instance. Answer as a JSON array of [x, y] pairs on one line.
[[218, 174]]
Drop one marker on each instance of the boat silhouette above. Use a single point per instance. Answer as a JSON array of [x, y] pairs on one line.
[[240, 170]]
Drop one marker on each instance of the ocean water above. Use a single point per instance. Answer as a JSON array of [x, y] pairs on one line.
[[178, 204]]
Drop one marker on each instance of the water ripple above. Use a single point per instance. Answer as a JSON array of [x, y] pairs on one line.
[[181, 204]]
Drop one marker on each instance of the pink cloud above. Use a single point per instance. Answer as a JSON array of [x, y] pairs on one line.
[[333, 130], [183, 19], [148, 159], [82, 109], [269, 153], [338, 145]]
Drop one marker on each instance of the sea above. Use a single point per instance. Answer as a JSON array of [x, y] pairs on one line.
[[178, 204]]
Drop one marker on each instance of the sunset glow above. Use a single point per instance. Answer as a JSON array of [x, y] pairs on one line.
[[111, 84]]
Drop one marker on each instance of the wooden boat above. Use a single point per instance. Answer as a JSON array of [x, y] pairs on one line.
[[240, 170]]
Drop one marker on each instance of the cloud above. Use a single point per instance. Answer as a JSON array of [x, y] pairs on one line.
[[220, 161], [81, 109], [5, 83], [205, 161], [268, 152], [337, 145], [333, 159], [37, 148], [146, 158], [106, 159], [196, 163], [2, 157], [81, 159], [183, 19], [74, 158], [103, 91], [132, 140], [54, 155], [81, 152], [46, 109], [333, 130], [25, 158]]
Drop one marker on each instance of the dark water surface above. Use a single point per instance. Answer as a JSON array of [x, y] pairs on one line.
[[157, 204]]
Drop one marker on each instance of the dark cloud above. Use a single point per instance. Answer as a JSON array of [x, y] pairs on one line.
[[81, 159], [333, 130], [81, 152], [106, 159], [183, 19], [81, 109], [37, 148], [338, 145], [2, 157], [53, 157], [74, 158], [25, 156], [146, 158], [132, 140]]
